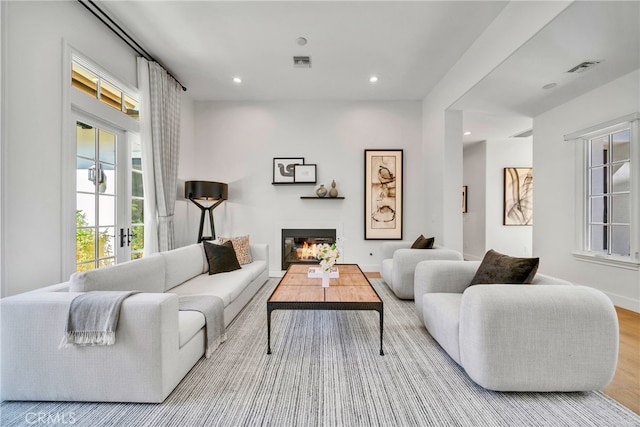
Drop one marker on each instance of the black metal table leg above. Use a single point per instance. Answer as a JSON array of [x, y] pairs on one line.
[[268, 331], [381, 325]]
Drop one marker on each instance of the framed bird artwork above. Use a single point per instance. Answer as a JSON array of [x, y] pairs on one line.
[[383, 194]]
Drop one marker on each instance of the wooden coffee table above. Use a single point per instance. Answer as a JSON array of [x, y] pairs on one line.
[[351, 291]]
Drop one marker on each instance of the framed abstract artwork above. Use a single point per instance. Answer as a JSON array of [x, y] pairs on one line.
[[383, 192], [518, 196], [284, 168]]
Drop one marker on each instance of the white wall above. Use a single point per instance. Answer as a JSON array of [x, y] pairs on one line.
[[554, 188], [510, 240], [474, 220], [33, 35], [484, 163], [443, 163], [237, 141]]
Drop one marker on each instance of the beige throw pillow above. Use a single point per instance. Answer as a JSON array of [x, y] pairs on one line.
[[242, 247]]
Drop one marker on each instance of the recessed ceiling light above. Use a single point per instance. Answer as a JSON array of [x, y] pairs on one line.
[[301, 41], [467, 133], [237, 80], [549, 85], [373, 79]]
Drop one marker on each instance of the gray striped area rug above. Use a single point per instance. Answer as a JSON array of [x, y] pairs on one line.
[[326, 370]]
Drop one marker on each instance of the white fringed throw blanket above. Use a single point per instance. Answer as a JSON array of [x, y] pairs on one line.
[[93, 318], [213, 309]]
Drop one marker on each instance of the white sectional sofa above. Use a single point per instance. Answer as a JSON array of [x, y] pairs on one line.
[[156, 344], [549, 335], [399, 263]]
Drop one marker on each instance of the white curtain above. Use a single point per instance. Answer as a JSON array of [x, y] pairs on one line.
[[160, 135]]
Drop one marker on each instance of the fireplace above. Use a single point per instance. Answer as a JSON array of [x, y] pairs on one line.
[[298, 244]]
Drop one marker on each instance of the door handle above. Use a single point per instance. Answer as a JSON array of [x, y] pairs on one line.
[[123, 237]]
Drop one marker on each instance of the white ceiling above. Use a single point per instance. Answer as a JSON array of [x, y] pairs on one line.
[[409, 45], [585, 31]]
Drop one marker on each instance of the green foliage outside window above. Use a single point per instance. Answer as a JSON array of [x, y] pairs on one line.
[[85, 243], [137, 229]]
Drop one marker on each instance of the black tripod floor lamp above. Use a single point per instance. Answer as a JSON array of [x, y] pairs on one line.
[[207, 191]]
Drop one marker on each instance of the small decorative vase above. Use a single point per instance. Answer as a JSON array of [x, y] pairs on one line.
[[334, 191], [325, 279], [322, 191]]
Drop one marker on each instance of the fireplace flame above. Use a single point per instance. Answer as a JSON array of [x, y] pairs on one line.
[[308, 251]]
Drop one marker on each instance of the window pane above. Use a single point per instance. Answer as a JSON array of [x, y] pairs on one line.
[[85, 210], [598, 180], [620, 240], [106, 239], [85, 172], [85, 141], [85, 245], [107, 146], [136, 153], [136, 185], [131, 107], [107, 179], [621, 177], [621, 209], [137, 240], [598, 209], [86, 266], [106, 262], [621, 142], [136, 163], [599, 147], [137, 211], [110, 95], [107, 210], [84, 80], [598, 238]]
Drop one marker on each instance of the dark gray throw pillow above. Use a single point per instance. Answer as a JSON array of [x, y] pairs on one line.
[[498, 268], [423, 243], [221, 258]]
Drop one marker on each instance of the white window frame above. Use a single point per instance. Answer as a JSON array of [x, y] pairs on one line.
[[582, 139], [73, 100]]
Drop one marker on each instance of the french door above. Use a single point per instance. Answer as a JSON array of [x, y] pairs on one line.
[[103, 195]]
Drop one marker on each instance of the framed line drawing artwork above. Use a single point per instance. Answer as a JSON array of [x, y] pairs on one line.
[[383, 191], [304, 174], [283, 169], [518, 196]]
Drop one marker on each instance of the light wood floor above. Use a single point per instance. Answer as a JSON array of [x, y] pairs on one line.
[[625, 387]]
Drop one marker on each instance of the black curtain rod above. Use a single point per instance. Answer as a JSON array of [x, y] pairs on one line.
[[122, 34]]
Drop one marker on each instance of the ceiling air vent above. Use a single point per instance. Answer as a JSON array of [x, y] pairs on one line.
[[301, 62], [581, 68]]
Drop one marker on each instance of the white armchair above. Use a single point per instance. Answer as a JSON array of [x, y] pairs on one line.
[[546, 336], [399, 263]]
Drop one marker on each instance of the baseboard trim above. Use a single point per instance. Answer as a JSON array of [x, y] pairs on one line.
[[624, 302]]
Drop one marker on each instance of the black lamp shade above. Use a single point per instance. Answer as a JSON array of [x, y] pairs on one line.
[[206, 190]]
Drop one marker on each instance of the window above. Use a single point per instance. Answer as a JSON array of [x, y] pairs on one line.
[[96, 196], [137, 200], [608, 193], [102, 168], [98, 87], [609, 202]]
